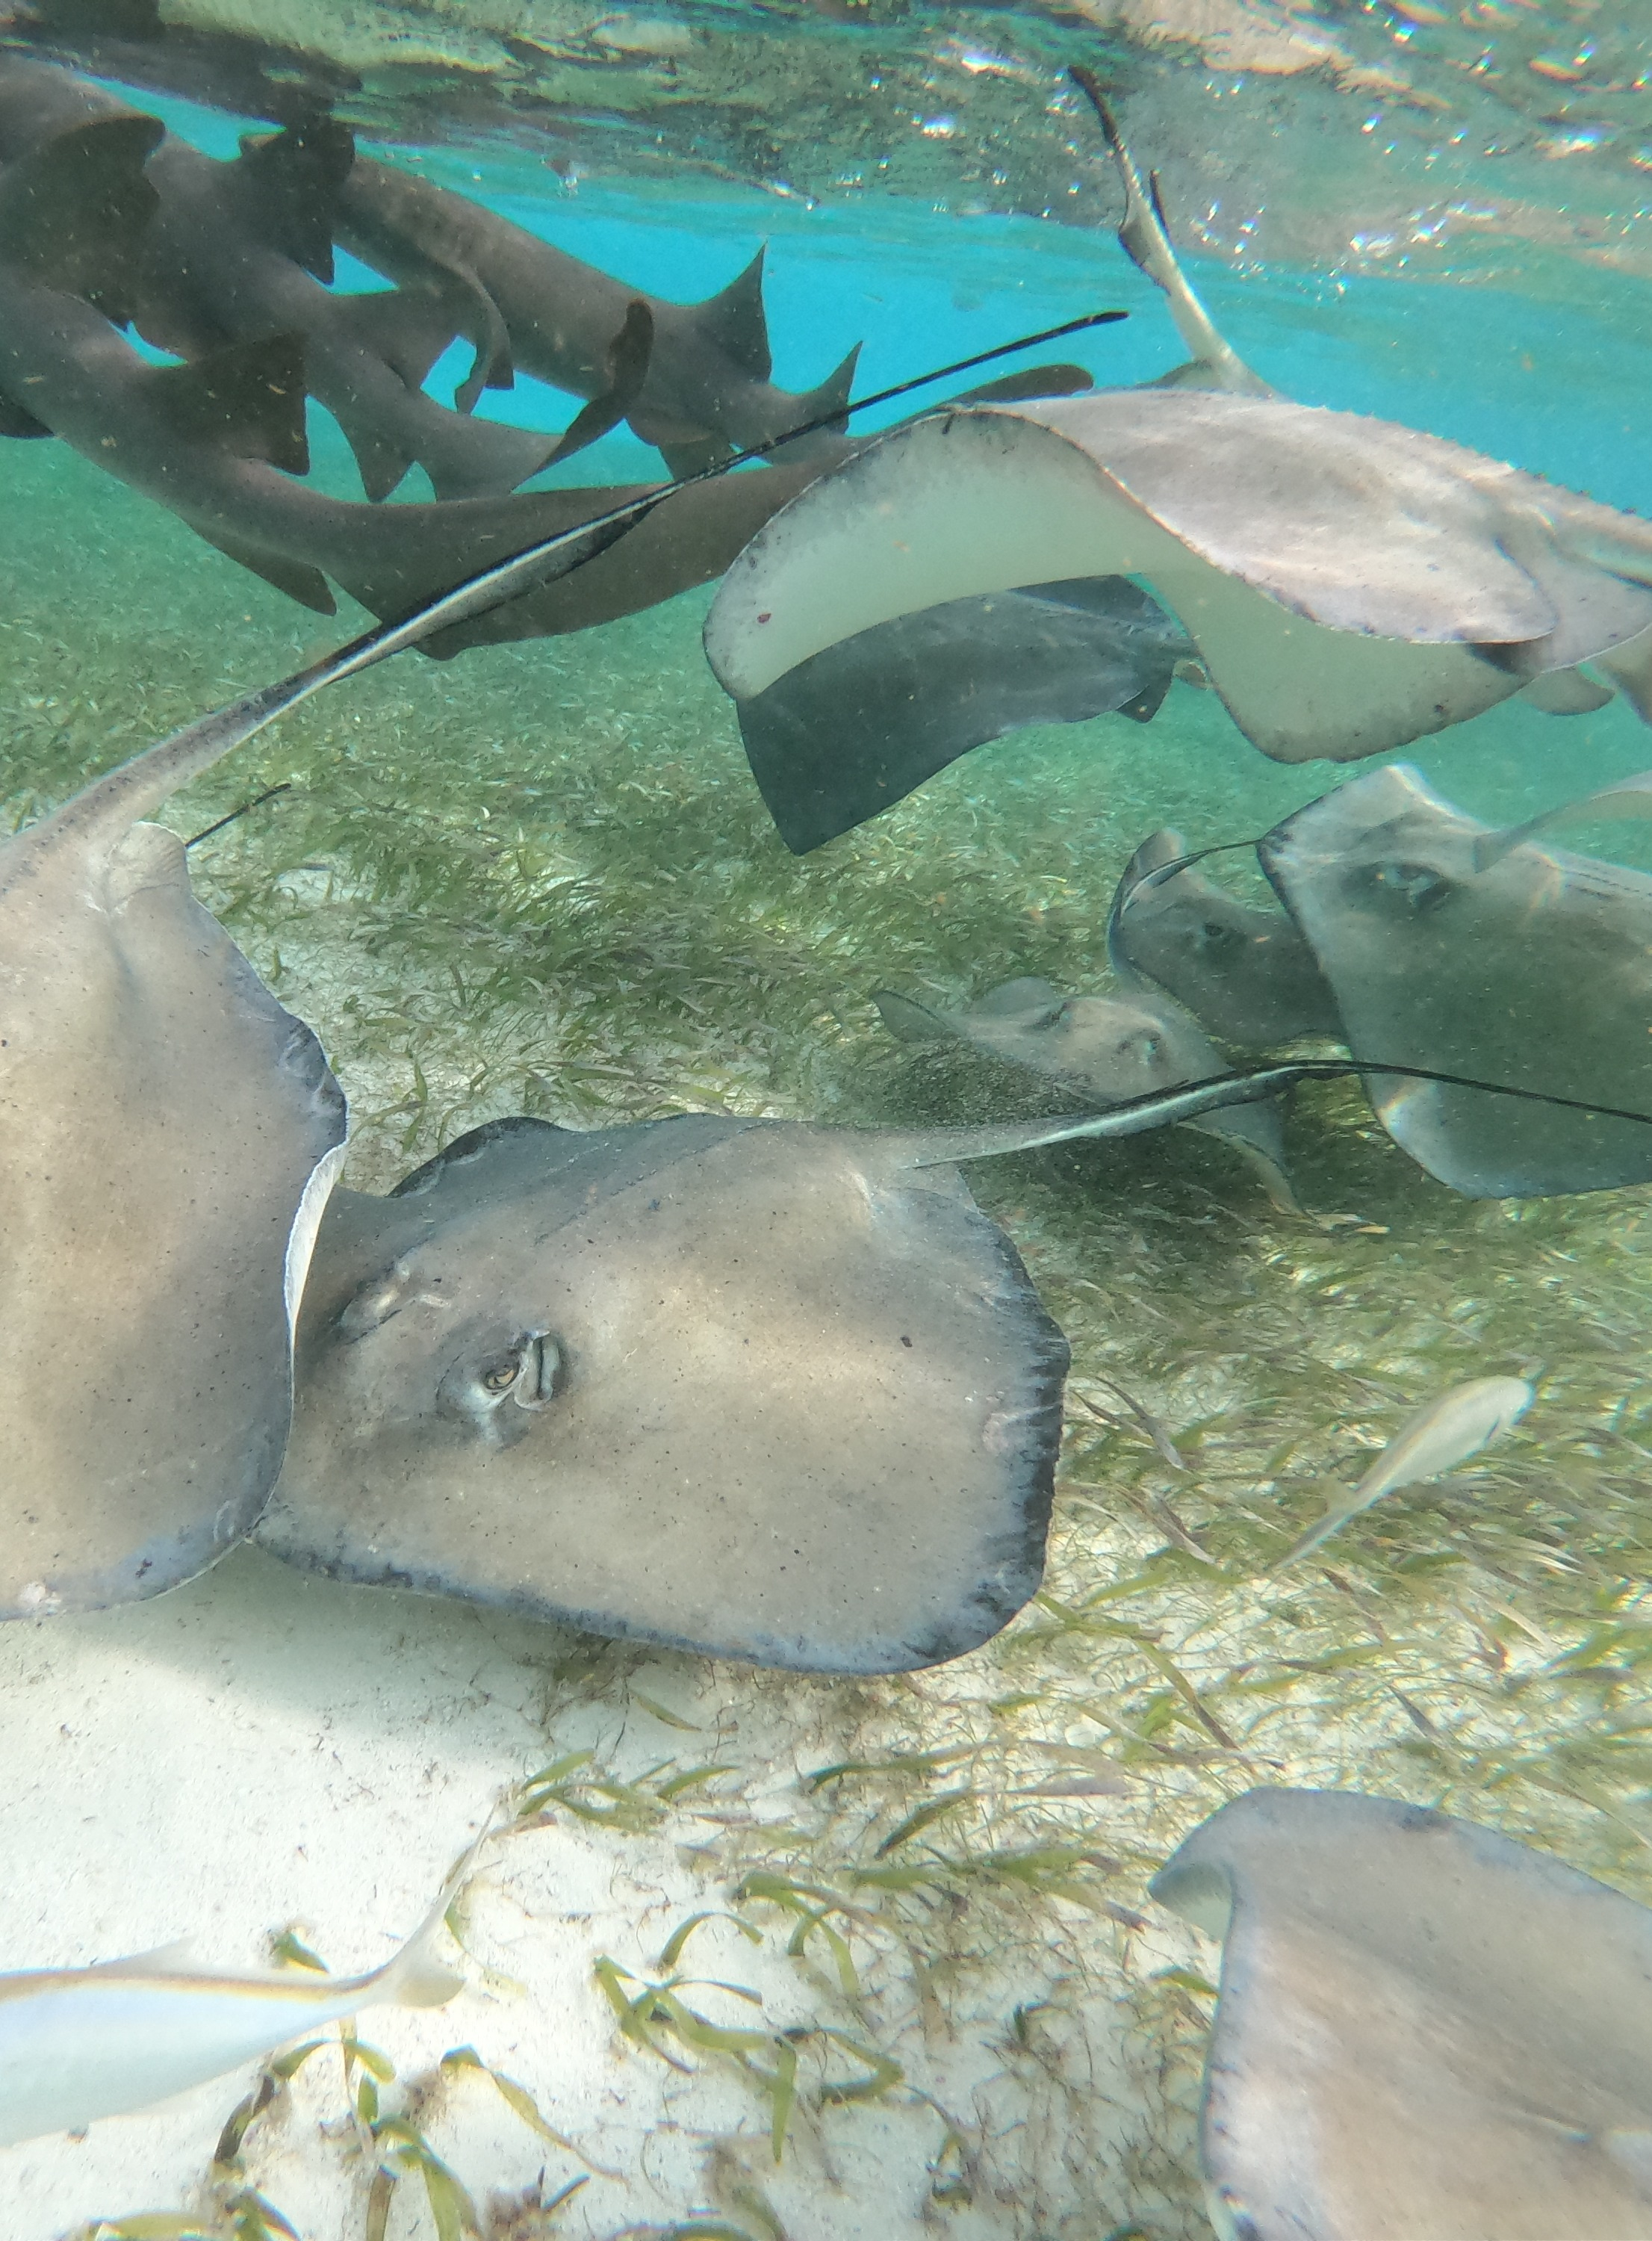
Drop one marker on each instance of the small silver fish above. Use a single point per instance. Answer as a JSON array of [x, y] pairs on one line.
[[79, 2044], [1437, 1439]]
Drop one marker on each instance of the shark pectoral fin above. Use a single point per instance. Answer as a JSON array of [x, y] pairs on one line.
[[72, 210], [246, 398], [1630, 667], [291, 182], [14, 421], [693, 455], [735, 321], [628, 357], [299, 581], [407, 328]]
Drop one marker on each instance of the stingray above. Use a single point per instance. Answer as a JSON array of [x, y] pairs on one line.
[[1247, 975], [232, 255], [1535, 971], [1424, 2028], [1102, 1052], [853, 729], [1349, 584], [749, 1388], [170, 1135]]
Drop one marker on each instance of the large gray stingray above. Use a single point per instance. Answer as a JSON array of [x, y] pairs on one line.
[[168, 1135], [1245, 974], [853, 729], [1425, 2028], [751, 1388], [1100, 1052], [1535, 971], [1350, 585]]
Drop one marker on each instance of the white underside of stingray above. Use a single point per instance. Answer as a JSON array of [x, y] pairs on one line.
[[1351, 585]]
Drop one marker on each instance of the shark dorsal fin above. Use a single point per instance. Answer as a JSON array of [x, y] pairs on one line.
[[293, 179], [246, 398], [734, 319], [833, 394], [72, 211]]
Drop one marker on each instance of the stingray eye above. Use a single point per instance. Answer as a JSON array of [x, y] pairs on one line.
[[527, 1374], [1418, 886], [1212, 934]]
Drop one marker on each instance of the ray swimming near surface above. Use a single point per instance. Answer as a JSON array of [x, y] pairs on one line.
[[857, 726], [1349, 584], [1424, 2027]]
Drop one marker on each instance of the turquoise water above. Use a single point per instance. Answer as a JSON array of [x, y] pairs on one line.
[[538, 879]]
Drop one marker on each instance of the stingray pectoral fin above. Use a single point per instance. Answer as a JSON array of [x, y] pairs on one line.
[[911, 1023], [988, 500], [754, 1390], [1565, 692], [167, 1124]]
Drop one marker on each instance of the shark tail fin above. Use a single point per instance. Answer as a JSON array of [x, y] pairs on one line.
[[829, 403], [628, 359], [73, 209], [290, 181], [408, 328], [735, 320], [247, 398]]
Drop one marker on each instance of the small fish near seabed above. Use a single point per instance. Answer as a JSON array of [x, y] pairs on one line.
[[1424, 2028], [1435, 1438], [754, 1388], [1102, 1052], [1533, 972], [1247, 975], [76, 2044]]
